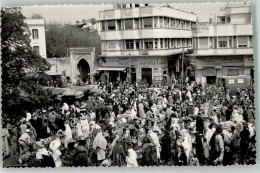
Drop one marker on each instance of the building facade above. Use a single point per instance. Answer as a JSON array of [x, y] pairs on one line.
[[224, 45], [79, 65], [143, 43], [38, 41]]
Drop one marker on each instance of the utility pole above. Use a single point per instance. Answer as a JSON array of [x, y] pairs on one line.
[[182, 57]]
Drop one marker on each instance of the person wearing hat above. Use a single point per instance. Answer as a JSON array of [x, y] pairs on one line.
[[81, 153]]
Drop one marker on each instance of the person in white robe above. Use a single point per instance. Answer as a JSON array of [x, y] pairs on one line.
[[131, 158], [100, 144]]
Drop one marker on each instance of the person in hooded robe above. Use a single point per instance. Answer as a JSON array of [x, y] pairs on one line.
[[127, 140], [67, 134], [199, 123], [166, 147], [199, 148], [100, 145], [5, 141], [149, 155], [131, 158], [118, 154], [84, 126], [81, 154]]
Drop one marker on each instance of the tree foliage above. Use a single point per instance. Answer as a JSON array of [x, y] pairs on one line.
[[60, 38], [23, 69]]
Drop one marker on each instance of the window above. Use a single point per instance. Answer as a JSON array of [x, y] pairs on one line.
[[128, 23], [203, 42], [242, 41], [222, 44], [137, 5], [119, 25], [183, 43], [228, 19], [230, 42], [155, 21], [148, 44], [129, 44], [137, 25], [161, 22], [156, 43], [111, 25], [166, 22], [148, 22], [182, 24], [172, 23], [36, 48], [35, 33], [166, 43], [177, 24], [103, 25], [161, 42], [138, 44]]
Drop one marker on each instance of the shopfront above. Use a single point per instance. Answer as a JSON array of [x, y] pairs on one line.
[[149, 70], [210, 68]]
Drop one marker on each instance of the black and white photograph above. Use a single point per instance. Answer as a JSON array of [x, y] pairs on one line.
[[128, 85]]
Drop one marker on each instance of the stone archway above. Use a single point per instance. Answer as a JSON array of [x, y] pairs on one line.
[[83, 69]]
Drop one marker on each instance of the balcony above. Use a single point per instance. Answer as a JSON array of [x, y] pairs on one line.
[[144, 33], [148, 52]]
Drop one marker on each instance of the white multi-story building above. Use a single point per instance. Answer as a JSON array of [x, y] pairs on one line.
[[224, 45], [142, 42], [38, 41]]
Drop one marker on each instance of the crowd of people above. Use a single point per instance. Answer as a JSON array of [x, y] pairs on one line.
[[133, 125]]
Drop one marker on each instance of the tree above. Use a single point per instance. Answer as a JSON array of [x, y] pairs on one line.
[[60, 38], [23, 69], [93, 21]]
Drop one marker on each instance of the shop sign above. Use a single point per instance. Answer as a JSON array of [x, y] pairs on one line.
[[201, 29], [115, 61], [219, 61], [240, 81], [231, 81], [147, 63]]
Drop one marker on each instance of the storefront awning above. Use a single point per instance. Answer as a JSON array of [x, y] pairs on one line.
[[111, 69]]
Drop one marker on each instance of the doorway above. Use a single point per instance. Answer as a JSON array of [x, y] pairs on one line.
[[147, 75], [211, 79], [83, 68]]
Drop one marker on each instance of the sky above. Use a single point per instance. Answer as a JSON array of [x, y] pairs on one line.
[[72, 13]]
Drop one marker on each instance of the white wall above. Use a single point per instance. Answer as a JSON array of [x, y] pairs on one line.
[[41, 41]]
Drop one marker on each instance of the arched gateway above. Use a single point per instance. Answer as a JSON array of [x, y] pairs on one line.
[[84, 70], [78, 65]]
